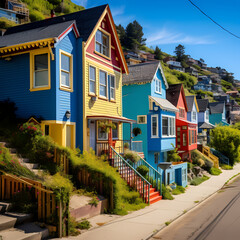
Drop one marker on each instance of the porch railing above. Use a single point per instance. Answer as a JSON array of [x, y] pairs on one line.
[[153, 176], [137, 146], [133, 178]]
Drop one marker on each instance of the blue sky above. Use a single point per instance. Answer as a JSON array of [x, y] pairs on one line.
[[169, 23]]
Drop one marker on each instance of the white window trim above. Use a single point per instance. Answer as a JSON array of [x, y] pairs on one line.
[[102, 96], [62, 86], [194, 120], [93, 93], [158, 81], [145, 116], [154, 136], [205, 116], [174, 125], [109, 43], [110, 87]]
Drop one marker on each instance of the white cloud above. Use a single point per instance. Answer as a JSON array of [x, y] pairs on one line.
[[118, 11], [120, 17], [166, 37]]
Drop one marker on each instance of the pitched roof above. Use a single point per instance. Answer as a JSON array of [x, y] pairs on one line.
[[206, 125], [52, 31], [85, 21], [142, 73], [202, 104], [190, 101], [173, 94], [163, 104], [216, 107]]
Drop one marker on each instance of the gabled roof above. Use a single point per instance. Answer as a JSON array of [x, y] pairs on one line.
[[190, 101], [85, 21], [202, 104], [164, 104], [52, 31], [143, 73], [216, 107], [173, 94]]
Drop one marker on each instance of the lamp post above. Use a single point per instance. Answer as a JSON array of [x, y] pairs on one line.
[[164, 166]]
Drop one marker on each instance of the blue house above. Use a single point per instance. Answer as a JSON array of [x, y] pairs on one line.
[[192, 114], [144, 100], [204, 83], [217, 113], [64, 71]]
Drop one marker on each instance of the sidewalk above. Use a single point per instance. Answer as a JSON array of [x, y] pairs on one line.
[[143, 223]]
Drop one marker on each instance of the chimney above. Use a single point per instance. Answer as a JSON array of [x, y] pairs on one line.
[[53, 14]]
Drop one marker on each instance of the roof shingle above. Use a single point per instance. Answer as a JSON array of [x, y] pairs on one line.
[[202, 104], [190, 101], [216, 107]]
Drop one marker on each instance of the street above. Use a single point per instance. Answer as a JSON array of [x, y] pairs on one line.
[[216, 218]]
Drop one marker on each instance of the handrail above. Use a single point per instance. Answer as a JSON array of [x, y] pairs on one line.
[[221, 156], [26, 182], [133, 180]]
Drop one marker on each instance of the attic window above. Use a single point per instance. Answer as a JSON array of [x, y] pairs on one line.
[[102, 43], [158, 86]]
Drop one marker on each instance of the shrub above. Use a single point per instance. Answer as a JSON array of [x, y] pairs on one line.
[[84, 224], [93, 202], [36, 16], [215, 171], [226, 140], [5, 23], [178, 190], [166, 193], [226, 167], [132, 156], [196, 181], [173, 156], [143, 170], [198, 158]]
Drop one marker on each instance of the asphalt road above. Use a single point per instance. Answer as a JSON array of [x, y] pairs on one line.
[[217, 218]]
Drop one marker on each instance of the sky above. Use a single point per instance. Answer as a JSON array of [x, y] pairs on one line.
[[169, 23]]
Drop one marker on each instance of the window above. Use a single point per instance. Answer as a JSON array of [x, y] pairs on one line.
[[115, 131], [92, 80], [184, 139], [154, 127], [103, 84], [184, 175], [207, 115], [65, 71], [102, 43], [181, 113], [40, 66], [190, 138], [141, 119], [156, 157], [168, 126], [194, 116], [102, 135], [158, 85], [193, 137], [112, 87]]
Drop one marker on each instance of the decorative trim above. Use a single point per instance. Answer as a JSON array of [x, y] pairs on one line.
[[157, 136]]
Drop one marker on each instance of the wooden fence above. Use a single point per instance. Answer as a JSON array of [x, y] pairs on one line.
[[61, 159], [96, 181], [48, 209]]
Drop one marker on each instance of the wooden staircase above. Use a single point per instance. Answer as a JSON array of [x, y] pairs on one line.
[[134, 179], [207, 152]]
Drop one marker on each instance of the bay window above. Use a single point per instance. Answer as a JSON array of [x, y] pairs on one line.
[[168, 126]]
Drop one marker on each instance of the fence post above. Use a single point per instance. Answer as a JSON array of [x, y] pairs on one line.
[[60, 223]]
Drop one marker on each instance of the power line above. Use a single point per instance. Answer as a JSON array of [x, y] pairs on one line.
[[213, 20]]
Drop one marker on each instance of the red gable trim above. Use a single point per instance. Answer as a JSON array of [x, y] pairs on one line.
[[72, 26], [184, 98]]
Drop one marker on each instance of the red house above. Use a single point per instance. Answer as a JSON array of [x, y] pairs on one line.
[[186, 132]]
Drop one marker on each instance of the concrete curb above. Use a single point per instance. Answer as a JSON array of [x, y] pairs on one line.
[[229, 181]]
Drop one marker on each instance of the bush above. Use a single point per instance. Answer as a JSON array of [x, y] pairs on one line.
[[226, 167], [196, 181], [178, 190], [36, 16], [143, 170], [226, 140], [84, 224], [5, 23], [198, 158], [166, 193], [173, 156], [132, 156], [215, 171]]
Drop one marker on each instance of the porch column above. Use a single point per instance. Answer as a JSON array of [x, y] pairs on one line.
[[131, 137]]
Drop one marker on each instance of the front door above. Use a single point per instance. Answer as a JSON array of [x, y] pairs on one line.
[[69, 136], [92, 129]]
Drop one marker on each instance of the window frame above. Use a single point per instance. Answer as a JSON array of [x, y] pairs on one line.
[[101, 139], [159, 86], [157, 134], [103, 32], [169, 128], [110, 76], [207, 113], [64, 87], [194, 119], [139, 116], [32, 70], [183, 111], [117, 128], [99, 84], [89, 80]]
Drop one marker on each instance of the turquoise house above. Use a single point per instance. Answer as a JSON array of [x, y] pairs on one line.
[[144, 100], [217, 113]]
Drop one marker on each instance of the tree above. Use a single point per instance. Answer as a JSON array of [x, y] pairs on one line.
[[201, 60], [134, 36], [180, 53], [228, 78], [158, 53], [121, 33]]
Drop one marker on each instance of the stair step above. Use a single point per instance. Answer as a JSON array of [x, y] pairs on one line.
[[20, 217], [154, 194], [152, 190], [4, 206], [7, 222], [38, 171], [31, 166], [156, 199]]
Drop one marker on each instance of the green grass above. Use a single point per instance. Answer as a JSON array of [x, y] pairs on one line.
[[196, 181], [215, 171], [167, 223], [196, 201], [178, 190], [226, 167]]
